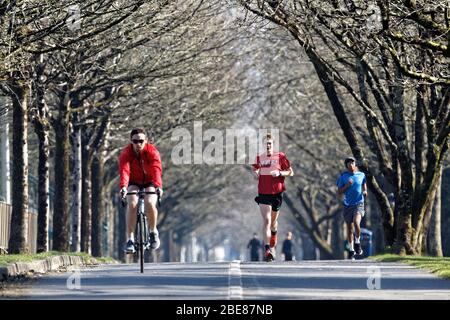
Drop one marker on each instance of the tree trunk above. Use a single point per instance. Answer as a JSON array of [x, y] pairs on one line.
[[375, 222], [18, 241], [61, 210], [402, 243], [445, 213], [88, 148], [121, 231], [105, 225], [428, 191], [111, 227], [169, 246], [422, 243], [5, 177], [86, 212], [42, 130], [205, 247], [405, 192], [308, 247], [76, 188], [97, 207], [337, 239], [434, 232]]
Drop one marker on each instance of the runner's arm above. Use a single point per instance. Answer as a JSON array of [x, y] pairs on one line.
[[341, 186], [256, 169], [286, 169], [287, 173], [365, 189], [255, 174], [345, 187]]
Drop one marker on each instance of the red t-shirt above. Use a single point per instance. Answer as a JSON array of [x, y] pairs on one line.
[[268, 184]]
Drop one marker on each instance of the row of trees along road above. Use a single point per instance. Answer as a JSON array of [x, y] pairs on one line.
[[381, 66]]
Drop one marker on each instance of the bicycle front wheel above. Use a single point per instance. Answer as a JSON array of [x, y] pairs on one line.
[[141, 232]]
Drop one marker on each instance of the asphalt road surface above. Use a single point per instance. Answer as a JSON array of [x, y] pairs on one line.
[[318, 280]]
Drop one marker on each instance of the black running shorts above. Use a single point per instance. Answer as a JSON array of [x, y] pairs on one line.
[[274, 200]]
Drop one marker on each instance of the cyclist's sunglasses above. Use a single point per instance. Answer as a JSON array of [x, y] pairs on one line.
[[136, 141]]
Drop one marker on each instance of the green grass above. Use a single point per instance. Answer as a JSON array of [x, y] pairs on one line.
[[439, 266], [13, 258]]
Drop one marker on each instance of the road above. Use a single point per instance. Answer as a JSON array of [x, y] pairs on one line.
[[362, 279]]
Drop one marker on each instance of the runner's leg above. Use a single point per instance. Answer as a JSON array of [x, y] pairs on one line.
[[357, 222], [274, 228], [350, 235], [274, 220], [266, 210]]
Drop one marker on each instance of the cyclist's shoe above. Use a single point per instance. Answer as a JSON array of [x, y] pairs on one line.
[[268, 255], [358, 250], [351, 255], [154, 240], [273, 240], [129, 248]]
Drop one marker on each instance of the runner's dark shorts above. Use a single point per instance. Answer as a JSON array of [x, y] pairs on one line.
[[350, 212], [274, 200]]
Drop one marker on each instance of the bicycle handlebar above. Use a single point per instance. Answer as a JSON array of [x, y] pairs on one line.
[[124, 201]]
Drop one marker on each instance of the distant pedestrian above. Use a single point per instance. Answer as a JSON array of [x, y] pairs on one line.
[[255, 246], [287, 247]]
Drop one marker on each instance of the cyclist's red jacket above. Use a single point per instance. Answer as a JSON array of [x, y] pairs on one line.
[[141, 169]]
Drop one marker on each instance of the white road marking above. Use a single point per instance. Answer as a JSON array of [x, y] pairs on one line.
[[235, 281]]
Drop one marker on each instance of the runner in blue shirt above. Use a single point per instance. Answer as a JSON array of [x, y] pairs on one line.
[[352, 183]]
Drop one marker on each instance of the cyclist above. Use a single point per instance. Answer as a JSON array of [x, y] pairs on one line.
[[352, 183], [270, 168], [140, 167]]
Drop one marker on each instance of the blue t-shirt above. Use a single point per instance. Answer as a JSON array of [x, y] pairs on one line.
[[353, 195]]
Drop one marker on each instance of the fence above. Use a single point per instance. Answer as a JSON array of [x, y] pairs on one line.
[[5, 226]]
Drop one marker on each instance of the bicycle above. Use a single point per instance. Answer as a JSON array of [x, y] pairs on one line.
[[141, 242]]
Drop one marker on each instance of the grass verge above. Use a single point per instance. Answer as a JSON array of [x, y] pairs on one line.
[[13, 258], [439, 266]]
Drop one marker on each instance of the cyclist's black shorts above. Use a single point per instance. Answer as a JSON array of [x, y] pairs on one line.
[[140, 185], [274, 200]]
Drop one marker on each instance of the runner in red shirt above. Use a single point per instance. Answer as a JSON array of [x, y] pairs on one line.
[[140, 167], [270, 168]]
